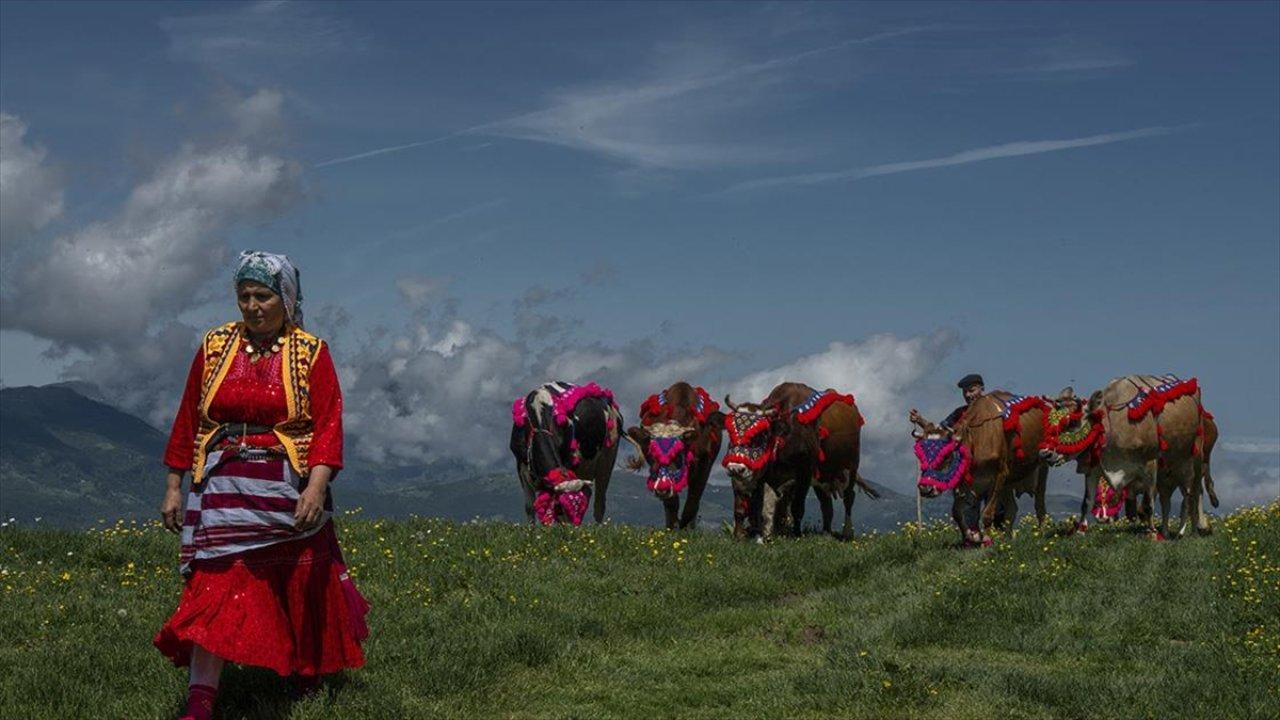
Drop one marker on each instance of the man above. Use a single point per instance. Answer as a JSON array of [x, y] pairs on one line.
[[972, 387]]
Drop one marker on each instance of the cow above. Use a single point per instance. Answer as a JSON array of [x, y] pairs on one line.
[[1160, 438], [679, 438], [796, 438], [565, 441], [987, 460]]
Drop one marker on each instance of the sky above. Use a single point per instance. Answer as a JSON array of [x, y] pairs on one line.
[[481, 197]]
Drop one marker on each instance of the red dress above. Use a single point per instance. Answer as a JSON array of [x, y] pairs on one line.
[[262, 594]]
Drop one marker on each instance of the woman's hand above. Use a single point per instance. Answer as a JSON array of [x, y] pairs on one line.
[[311, 502], [171, 506]]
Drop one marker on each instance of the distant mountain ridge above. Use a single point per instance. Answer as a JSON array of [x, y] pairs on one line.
[[74, 460]]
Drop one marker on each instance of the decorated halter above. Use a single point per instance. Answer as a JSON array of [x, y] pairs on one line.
[[1107, 502], [670, 459], [751, 444], [564, 498], [1069, 432], [944, 463]]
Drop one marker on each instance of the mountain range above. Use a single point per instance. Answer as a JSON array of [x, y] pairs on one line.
[[71, 459]]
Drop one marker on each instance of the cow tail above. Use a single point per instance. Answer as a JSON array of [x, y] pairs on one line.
[[866, 487], [1203, 451]]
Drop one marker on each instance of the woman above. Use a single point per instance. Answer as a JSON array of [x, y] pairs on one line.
[[260, 427]]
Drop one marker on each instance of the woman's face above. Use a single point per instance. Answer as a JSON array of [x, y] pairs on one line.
[[263, 310]]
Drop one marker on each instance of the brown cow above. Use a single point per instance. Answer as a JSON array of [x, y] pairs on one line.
[[1147, 434], [987, 460], [795, 439], [679, 438]]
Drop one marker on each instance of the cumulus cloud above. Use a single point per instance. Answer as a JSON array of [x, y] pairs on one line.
[[115, 287], [116, 277], [1246, 480], [882, 372], [30, 189]]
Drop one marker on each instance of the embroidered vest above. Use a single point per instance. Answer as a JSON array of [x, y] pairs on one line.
[[297, 354]]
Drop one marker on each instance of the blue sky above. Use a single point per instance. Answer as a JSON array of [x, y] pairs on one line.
[[481, 195]]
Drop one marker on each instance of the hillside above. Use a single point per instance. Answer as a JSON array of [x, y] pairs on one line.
[[497, 620]]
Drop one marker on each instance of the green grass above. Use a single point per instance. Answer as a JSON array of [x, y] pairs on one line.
[[491, 620]]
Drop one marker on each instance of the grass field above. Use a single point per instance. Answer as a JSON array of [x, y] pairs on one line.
[[489, 620]]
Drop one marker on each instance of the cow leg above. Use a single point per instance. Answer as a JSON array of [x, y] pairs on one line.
[[828, 509], [697, 484], [968, 514], [526, 485], [796, 496], [1086, 502], [1166, 495], [741, 514], [768, 510], [1042, 481], [848, 498], [995, 500], [671, 510], [601, 487], [1198, 513], [1008, 515]]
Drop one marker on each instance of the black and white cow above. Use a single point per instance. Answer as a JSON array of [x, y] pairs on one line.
[[565, 440]]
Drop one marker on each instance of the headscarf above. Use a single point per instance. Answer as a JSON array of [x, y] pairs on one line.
[[276, 272]]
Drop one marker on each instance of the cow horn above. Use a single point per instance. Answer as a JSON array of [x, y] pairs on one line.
[[730, 404], [917, 433]]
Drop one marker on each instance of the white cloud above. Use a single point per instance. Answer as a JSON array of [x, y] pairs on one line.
[[115, 287], [260, 115], [993, 152], [259, 38], [30, 190], [1251, 445], [882, 372], [116, 277]]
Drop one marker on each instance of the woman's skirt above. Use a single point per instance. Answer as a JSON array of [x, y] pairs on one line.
[[269, 598]]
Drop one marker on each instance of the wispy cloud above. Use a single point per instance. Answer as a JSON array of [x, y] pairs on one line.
[[256, 40], [983, 154], [641, 124], [1252, 445]]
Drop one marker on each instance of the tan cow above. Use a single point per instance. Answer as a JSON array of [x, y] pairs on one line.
[[1124, 433], [987, 460]]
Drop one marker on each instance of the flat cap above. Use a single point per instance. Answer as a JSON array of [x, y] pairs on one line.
[[970, 380]]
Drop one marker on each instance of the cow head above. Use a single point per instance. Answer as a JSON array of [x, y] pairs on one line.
[[944, 460], [756, 433], [1071, 430], [667, 448]]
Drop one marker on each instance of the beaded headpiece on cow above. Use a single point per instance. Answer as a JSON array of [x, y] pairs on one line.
[[670, 453], [752, 440], [1070, 430], [944, 463]]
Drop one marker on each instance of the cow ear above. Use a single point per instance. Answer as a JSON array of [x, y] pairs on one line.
[[638, 434]]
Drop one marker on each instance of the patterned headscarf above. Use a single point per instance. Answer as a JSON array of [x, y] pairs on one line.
[[276, 272]]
